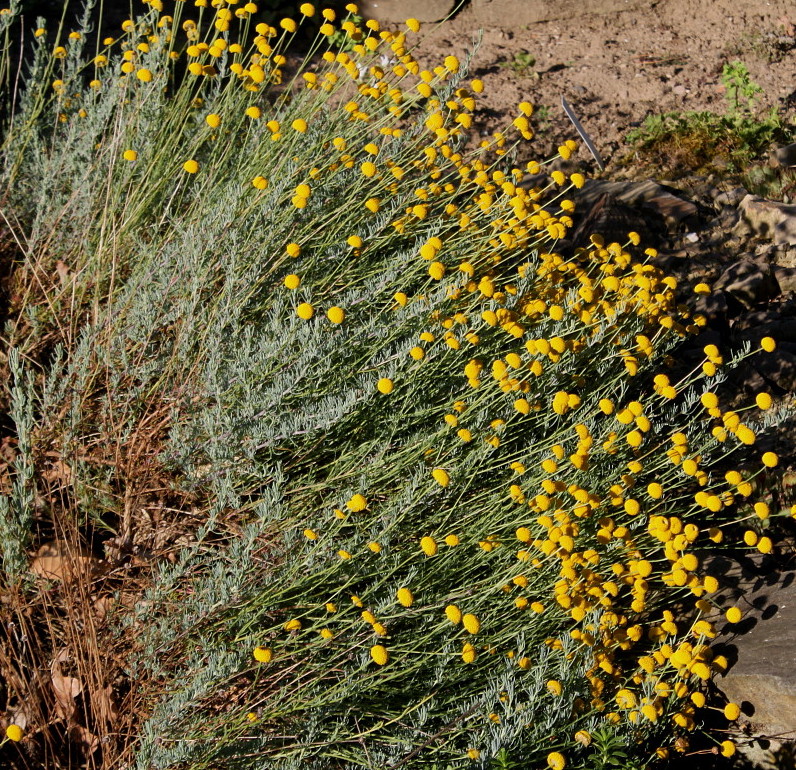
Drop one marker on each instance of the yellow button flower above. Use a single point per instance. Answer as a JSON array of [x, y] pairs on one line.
[[405, 597], [379, 654], [305, 311], [262, 654], [336, 315]]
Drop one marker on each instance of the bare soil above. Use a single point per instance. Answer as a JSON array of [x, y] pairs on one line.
[[617, 69]]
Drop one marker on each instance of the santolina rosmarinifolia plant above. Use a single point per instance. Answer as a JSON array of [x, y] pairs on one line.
[[475, 496]]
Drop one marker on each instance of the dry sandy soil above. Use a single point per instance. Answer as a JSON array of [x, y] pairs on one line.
[[616, 69]]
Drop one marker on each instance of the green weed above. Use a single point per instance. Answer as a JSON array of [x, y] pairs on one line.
[[683, 142]]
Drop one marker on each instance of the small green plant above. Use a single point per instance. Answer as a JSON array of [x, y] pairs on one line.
[[742, 93], [699, 140], [610, 752], [522, 63]]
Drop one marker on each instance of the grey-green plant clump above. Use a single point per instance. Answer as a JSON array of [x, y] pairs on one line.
[[449, 498]]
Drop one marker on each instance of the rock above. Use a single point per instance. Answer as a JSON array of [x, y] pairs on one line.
[[713, 306], [786, 258], [748, 281], [785, 277], [779, 367], [731, 197], [763, 678], [398, 11], [769, 219], [516, 13], [664, 201], [783, 156]]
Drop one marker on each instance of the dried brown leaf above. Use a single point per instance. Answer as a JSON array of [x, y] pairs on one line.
[[58, 560]]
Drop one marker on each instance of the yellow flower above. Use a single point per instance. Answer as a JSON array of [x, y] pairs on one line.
[[374, 547], [650, 712], [130, 155], [473, 754], [354, 241], [413, 24], [379, 654], [452, 540], [554, 687], [468, 653], [292, 281], [405, 597], [709, 400], [191, 166], [213, 120], [368, 169], [763, 401], [556, 761], [253, 112], [336, 314], [260, 183], [144, 75], [471, 623], [770, 459], [453, 614], [293, 249], [307, 9], [293, 625], [385, 385], [436, 270], [769, 345], [428, 545], [440, 475], [299, 125], [326, 633], [305, 311], [417, 353], [732, 711], [727, 748], [357, 503], [262, 654], [310, 534], [288, 25], [14, 733]]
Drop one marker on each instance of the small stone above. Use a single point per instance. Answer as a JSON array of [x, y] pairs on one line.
[[785, 277], [783, 157], [731, 197], [748, 281], [769, 219]]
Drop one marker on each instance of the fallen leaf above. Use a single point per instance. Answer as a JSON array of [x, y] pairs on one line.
[[62, 270], [103, 706], [58, 471], [66, 688], [81, 735], [58, 560]]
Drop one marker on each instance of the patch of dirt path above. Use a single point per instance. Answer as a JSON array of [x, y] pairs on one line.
[[616, 69]]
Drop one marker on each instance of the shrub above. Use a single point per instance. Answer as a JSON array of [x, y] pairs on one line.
[[451, 494]]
